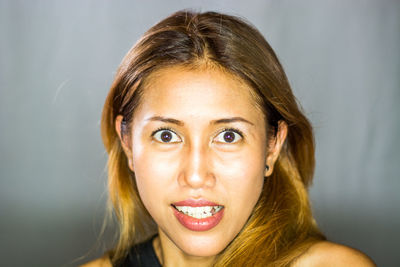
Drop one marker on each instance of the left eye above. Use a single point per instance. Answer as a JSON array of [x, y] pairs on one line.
[[228, 136], [166, 136]]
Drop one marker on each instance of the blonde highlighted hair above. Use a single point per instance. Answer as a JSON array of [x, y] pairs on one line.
[[281, 226]]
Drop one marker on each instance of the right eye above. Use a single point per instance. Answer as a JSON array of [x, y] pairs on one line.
[[166, 136]]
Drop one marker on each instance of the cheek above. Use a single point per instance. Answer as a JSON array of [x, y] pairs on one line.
[[242, 178], [154, 174], [241, 167], [245, 186]]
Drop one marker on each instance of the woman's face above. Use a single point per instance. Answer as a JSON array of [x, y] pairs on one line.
[[198, 151]]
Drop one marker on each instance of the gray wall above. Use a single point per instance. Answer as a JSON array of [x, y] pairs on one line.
[[57, 61]]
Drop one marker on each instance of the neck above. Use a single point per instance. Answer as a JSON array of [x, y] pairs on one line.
[[169, 254]]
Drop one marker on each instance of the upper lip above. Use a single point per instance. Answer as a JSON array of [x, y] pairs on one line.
[[195, 203]]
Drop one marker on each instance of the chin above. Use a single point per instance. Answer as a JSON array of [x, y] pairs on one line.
[[202, 246]]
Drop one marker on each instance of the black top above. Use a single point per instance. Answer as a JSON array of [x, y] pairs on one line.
[[141, 255]]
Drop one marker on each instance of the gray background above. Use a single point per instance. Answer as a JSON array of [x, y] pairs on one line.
[[58, 59]]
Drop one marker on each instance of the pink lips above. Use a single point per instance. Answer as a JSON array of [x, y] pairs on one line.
[[195, 224]]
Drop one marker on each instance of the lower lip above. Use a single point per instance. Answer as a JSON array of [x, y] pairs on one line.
[[194, 224]]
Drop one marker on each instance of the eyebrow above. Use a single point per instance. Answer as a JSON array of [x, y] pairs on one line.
[[230, 120], [219, 121], [164, 119]]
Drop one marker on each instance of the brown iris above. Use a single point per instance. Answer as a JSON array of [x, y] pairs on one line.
[[229, 137], [166, 136]]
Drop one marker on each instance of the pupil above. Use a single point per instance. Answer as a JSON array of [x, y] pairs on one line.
[[229, 137], [166, 136]]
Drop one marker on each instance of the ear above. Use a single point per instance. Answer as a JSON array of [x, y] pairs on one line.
[[274, 147], [124, 139]]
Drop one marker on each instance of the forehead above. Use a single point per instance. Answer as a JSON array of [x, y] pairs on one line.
[[207, 92]]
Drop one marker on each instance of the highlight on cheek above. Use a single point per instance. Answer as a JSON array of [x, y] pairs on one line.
[[166, 135]]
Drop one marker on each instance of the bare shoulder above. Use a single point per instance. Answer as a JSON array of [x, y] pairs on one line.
[[331, 254], [100, 262]]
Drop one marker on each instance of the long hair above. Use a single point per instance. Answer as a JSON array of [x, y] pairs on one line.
[[281, 227]]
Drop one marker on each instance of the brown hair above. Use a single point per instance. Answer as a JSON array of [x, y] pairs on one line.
[[281, 226]]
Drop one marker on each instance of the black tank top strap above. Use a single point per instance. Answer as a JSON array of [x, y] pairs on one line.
[[141, 255]]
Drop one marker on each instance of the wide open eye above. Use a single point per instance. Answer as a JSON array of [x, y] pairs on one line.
[[229, 136], [166, 136]]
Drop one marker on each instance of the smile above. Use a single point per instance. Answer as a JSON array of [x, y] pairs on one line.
[[198, 215], [199, 212]]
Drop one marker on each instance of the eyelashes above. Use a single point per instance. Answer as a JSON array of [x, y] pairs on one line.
[[229, 136], [166, 135]]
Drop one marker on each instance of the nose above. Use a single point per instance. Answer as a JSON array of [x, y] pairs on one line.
[[196, 169]]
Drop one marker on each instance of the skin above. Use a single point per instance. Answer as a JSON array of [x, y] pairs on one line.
[[322, 254], [198, 163], [328, 254]]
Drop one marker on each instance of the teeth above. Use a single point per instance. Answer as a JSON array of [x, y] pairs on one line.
[[199, 212]]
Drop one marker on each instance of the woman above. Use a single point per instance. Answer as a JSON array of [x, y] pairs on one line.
[[210, 155]]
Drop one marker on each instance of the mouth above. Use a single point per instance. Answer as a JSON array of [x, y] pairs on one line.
[[198, 215], [199, 212]]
